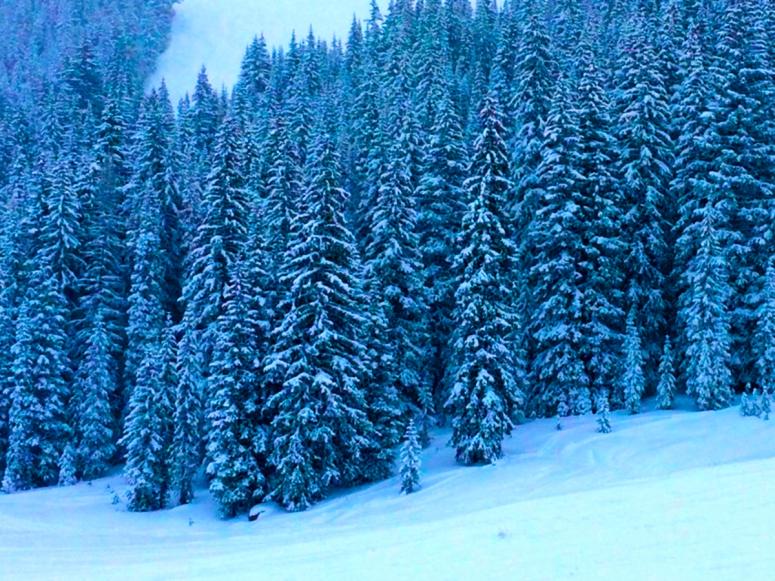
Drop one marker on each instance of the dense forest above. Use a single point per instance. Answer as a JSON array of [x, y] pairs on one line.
[[464, 216]]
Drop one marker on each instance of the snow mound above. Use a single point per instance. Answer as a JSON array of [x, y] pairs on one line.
[[215, 33], [667, 495]]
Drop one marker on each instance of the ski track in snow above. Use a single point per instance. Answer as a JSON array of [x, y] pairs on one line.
[[667, 495], [215, 33]]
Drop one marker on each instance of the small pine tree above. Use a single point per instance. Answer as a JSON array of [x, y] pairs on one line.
[[765, 404], [633, 379], [67, 466], [410, 460], [603, 413], [563, 411], [667, 384]]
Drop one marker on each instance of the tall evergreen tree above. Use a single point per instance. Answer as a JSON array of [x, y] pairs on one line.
[[645, 157], [322, 433], [94, 389], [38, 422], [394, 271], [765, 331], [186, 454], [556, 237], [486, 393], [148, 429], [235, 441]]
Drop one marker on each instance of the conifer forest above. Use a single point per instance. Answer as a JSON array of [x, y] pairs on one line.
[[460, 215]]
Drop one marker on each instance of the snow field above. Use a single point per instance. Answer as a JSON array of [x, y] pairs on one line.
[[667, 495]]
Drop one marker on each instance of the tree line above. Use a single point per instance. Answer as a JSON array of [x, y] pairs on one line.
[[465, 215]]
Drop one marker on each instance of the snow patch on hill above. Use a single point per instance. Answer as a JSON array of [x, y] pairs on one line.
[[667, 495], [215, 33]]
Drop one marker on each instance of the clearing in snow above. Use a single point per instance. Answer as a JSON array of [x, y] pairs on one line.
[[667, 495]]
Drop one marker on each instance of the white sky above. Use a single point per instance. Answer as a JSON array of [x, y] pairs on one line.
[[216, 32]]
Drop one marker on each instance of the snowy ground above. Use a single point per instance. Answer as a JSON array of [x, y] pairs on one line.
[[216, 32], [668, 495]]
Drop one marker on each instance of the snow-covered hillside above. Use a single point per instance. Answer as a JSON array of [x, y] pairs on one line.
[[668, 495], [216, 32]]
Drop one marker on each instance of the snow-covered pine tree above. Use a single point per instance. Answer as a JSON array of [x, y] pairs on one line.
[[283, 190], [321, 431], [440, 210], [394, 275], [555, 236], [148, 203], [633, 381], [765, 404], [765, 334], [749, 403], [221, 234], [237, 481], [188, 420], [666, 388], [644, 161], [68, 466], [603, 247], [603, 408], [535, 75], [253, 82], [705, 307], [94, 388], [744, 98], [148, 428], [410, 460], [38, 426], [485, 395], [9, 289]]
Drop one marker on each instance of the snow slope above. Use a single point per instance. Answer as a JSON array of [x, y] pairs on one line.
[[668, 495], [216, 32]]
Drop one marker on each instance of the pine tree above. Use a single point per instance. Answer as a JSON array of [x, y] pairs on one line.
[[749, 403], [535, 72], [765, 332], [322, 433], [603, 413], [38, 426], [766, 404], [555, 236], [743, 98], [221, 234], [485, 395], [151, 232], [440, 210], [237, 481], [148, 428], [633, 379], [188, 419], [705, 310], [394, 271], [67, 466], [410, 460], [602, 249], [95, 386], [644, 161], [667, 383]]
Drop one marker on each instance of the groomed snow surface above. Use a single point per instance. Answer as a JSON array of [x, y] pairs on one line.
[[668, 495]]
